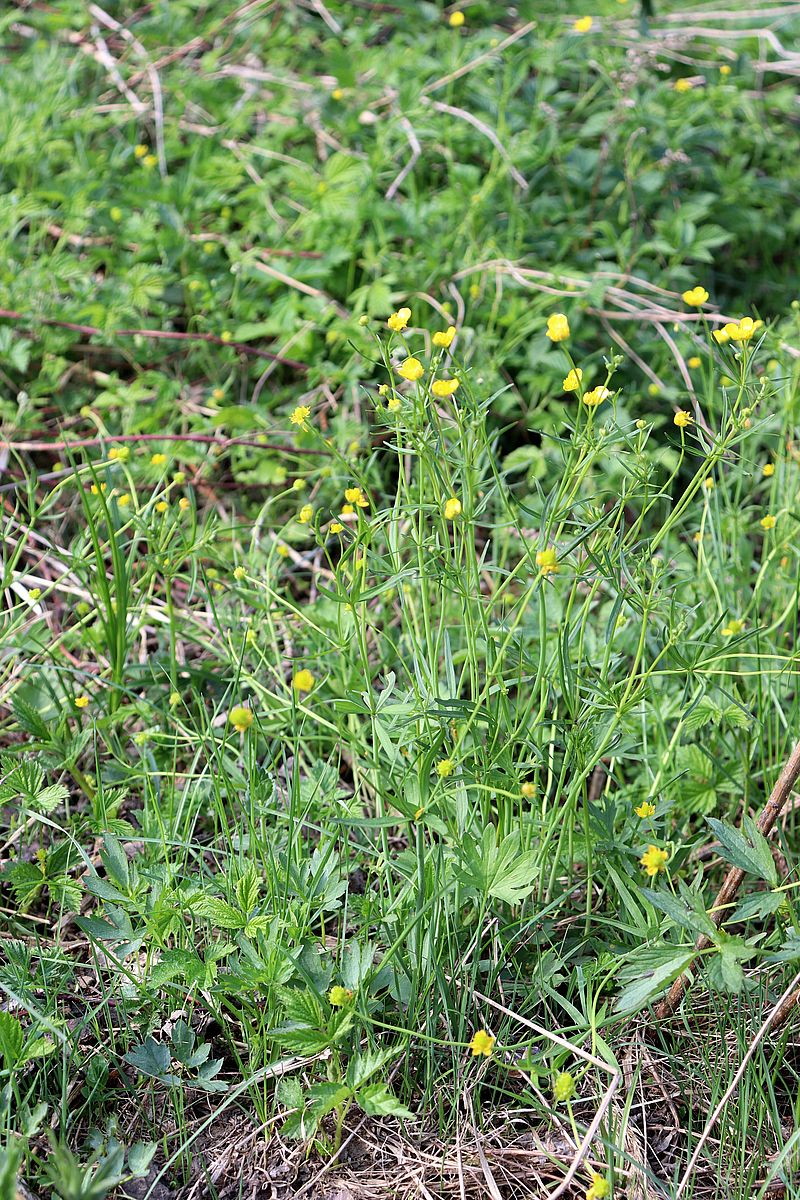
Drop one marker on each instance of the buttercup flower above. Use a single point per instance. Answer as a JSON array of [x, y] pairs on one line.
[[445, 768], [596, 396], [599, 1188], [337, 93], [161, 506], [336, 527], [528, 790], [239, 573], [696, 295], [557, 327], [683, 85], [183, 504], [305, 514], [303, 681], [694, 362], [339, 996], [119, 453], [411, 369], [445, 338], [768, 522], [140, 150], [456, 19], [300, 414], [82, 701], [241, 718], [724, 69], [547, 561], [482, 1043], [682, 418], [444, 387], [452, 508], [645, 809], [354, 495], [563, 1087], [654, 860], [733, 627], [573, 381], [583, 24], [157, 460], [708, 483], [398, 321], [768, 469], [124, 500], [721, 336]]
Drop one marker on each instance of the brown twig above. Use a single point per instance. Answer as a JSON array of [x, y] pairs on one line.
[[733, 880], [9, 314]]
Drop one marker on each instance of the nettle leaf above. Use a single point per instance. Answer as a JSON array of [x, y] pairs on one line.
[[378, 1101], [648, 972], [748, 850]]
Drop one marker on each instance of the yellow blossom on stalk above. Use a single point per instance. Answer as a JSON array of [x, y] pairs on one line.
[[393, 403], [557, 327], [708, 483], [241, 718], [696, 296], [444, 387], [239, 573], [573, 381], [695, 362], [82, 701], [411, 369], [303, 681], [305, 514], [547, 561], [124, 500], [684, 85], [645, 810], [174, 699], [733, 627], [337, 93], [35, 593], [95, 490], [347, 510], [398, 321], [162, 506], [768, 522], [528, 790], [452, 508], [336, 527], [482, 1043], [183, 504], [596, 396], [140, 150], [721, 336], [119, 453], [724, 69], [768, 469], [654, 860], [300, 414], [742, 331], [563, 1087], [682, 418], [445, 768], [157, 460], [283, 550], [599, 1188], [445, 338], [456, 19], [339, 996], [354, 495], [583, 24], [149, 161]]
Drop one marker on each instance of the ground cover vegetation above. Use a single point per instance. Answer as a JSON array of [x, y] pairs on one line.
[[400, 596]]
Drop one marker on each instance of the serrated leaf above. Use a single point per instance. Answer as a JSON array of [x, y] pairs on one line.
[[219, 912], [750, 851], [377, 1100], [649, 972]]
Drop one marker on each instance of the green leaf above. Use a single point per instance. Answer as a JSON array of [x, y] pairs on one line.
[[749, 851], [686, 911], [152, 1058], [648, 973], [378, 1101], [219, 912]]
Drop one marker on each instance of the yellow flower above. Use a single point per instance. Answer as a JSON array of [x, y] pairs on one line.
[[337, 93], [183, 504], [721, 336], [445, 338], [445, 768], [162, 506], [82, 701], [239, 573], [347, 510], [124, 500], [482, 1043], [452, 508], [119, 453], [283, 551], [157, 460], [653, 389], [724, 69], [557, 327], [140, 151], [241, 718], [528, 790], [398, 321], [149, 161], [456, 19], [339, 996], [768, 469], [599, 1188], [35, 593], [354, 495], [596, 396], [95, 490], [654, 860], [174, 699], [583, 24], [393, 403], [684, 85], [733, 627], [303, 681], [115, 213], [744, 330], [682, 418], [645, 809], [708, 483], [547, 561], [696, 296], [768, 522], [300, 414], [445, 387], [411, 369], [336, 527], [305, 514], [573, 380], [695, 362], [563, 1087]]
